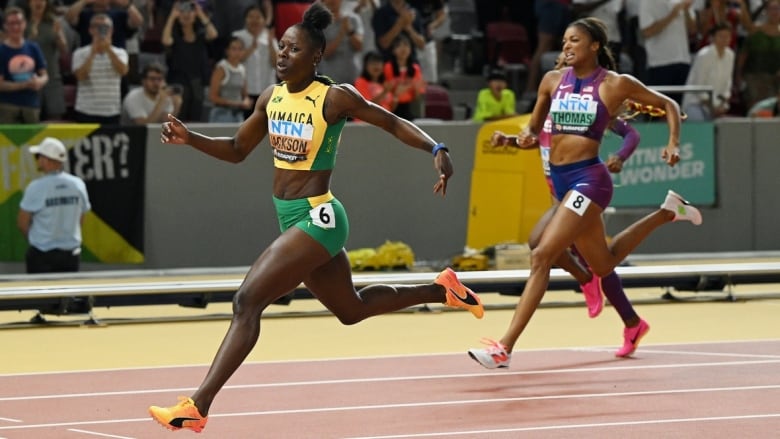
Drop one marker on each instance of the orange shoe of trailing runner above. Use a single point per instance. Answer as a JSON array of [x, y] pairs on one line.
[[459, 295], [183, 415]]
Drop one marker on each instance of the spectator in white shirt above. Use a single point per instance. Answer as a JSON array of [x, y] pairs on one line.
[[713, 66], [344, 38], [259, 53], [153, 101], [99, 68], [606, 11], [665, 25], [51, 212]]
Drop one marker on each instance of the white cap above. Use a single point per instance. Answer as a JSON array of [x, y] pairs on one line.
[[51, 148]]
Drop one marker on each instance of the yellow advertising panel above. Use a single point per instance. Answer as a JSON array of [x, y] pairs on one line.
[[508, 190]]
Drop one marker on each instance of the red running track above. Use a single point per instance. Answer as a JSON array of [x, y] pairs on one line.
[[714, 390]]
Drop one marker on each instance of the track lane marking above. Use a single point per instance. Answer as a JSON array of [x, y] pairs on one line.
[[419, 404], [391, 379], [574, 426], [374, 357], [688, 353], [94, 433]]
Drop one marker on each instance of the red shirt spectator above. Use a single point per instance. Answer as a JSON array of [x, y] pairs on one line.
[[403, 77]]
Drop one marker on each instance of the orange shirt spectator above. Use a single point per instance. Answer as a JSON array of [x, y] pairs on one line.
[[403, 77], [371, 82]]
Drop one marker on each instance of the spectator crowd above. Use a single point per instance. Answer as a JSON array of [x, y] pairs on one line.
[[134, 61]]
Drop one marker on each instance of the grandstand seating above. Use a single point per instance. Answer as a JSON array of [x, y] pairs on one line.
[[507, 43], [437, 103]]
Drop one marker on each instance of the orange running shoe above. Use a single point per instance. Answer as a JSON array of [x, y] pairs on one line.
[[459, 295], [182, 415]]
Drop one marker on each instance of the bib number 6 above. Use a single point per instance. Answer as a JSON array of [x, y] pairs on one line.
[[323, 216]]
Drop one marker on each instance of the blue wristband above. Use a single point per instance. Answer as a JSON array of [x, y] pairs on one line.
[[438, 147]]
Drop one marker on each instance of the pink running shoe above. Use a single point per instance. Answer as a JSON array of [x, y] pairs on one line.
[[594, 296], [631, 337]]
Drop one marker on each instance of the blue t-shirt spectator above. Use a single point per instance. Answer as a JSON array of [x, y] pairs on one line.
[[19, 65]]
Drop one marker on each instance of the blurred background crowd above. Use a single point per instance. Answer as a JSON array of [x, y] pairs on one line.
[[134, 61]]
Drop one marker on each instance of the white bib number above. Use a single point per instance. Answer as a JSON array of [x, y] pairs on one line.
[[323, 216], [577, 202]]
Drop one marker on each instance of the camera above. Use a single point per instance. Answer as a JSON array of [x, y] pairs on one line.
[[186, 6], [103, 29]]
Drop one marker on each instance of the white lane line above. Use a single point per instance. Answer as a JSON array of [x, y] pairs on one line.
[[10, 420], [396, 379], [688, 353], [375, 357], [713, 354], [94, 433], [574, 426], [421, 404]]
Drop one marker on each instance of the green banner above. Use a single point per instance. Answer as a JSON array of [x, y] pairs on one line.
[[646, 177], [110, 160]]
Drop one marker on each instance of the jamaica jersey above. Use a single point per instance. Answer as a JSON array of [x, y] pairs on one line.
[[300, 137], [576, 106]]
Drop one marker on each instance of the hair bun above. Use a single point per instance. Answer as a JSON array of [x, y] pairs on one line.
[[317, 16]]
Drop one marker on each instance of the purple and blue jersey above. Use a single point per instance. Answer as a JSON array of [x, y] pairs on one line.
[[577, 108]]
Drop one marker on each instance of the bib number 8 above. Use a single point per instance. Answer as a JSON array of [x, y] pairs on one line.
[[577, 203], [323, 216]]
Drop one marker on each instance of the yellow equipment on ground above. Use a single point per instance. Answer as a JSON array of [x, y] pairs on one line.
[[388, 256]]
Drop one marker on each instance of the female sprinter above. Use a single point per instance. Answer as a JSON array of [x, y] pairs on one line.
[[593, 287], [303, 117], [581, 101]]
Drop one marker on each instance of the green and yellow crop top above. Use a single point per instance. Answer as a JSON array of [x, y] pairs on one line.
[[300, 137]]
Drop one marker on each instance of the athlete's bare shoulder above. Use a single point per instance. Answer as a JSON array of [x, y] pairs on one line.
[[347, 89], [621, 80], [342, 101], [550, 80]]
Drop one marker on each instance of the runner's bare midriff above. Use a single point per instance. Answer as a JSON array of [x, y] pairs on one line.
[[292, 185], [567, 148]]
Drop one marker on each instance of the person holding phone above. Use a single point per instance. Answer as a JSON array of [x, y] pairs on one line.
[[99, 68], [125, 18], [151, 102], [187, 33]]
